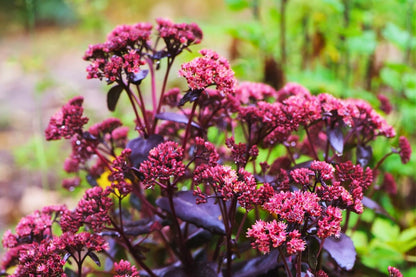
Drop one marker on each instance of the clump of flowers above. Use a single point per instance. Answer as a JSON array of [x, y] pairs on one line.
[[205, 172]]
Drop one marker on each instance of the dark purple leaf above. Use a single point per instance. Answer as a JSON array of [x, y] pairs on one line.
[[160, 55], [336, 139], [206, 215], [198, 237], [176, 117], [95, 258], [140, 148], [70, 273], [176, 270], [66, 256], [306, 164], [190, 96], [91, 180], [112, 97], [135, 202], [364, 155], [313, 251], [139, 227], [371, 204], [342, 250], [115, 251], [257, 266], [136, 78]]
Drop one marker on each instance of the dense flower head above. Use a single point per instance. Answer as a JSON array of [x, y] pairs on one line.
[[68, 121], [385, 104], [120, 186], [71, 183], [104, 127], [178, 35], [321, 273], [227, 184], [164, 161], [292, 89], [268, 121], [248, 193], [347, 172], [40, 259], [83, 147], [240, 153], [267, 234], [84, 241], [295, 244], [389, 184], [336, 195], [330, 224], [209, 70], [93, 209], [324, 170], [125, 269], [120, 54], [394, 272], [370, 121], [293, 206], [206, 151], [405, 150], [31, 228], [251, 92], [337, 108], [125, 37], [302, 176]]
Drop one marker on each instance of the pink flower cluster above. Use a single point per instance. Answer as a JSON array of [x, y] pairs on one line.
[[294, 206], [92, 210], [68, 121], [274, 234], [394, 272], [178, 35], [228, 184], [126, 47], [209, 70], [405, 150], [164, 162], [39, 251], [120, 168], [125, 269]]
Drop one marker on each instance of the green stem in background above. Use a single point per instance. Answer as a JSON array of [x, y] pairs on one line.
[[409, 27], [346, 17]]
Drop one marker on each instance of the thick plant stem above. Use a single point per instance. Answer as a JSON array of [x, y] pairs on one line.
[[185, 256], [132, 251], [188, 126], [289, 273]]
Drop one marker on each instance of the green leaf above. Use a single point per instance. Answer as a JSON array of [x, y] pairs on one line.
[[395, 34], [385, 230], [237, 5]]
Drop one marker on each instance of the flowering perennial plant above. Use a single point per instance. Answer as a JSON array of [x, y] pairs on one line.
[[206, 174]]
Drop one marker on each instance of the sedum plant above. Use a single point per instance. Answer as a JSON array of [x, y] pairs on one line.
[[226, 178]]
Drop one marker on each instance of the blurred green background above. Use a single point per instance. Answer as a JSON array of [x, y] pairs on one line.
[[349, 48]]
